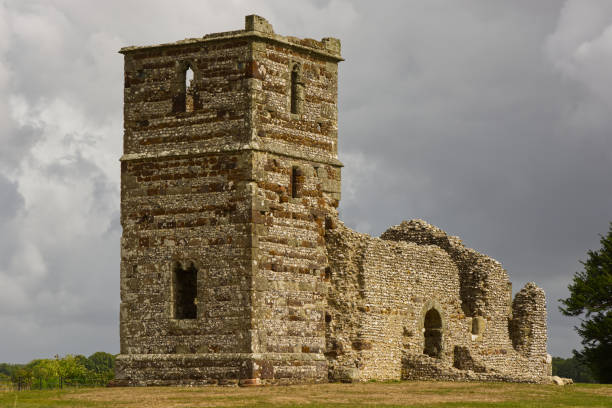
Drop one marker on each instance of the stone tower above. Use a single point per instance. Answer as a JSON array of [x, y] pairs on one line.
[[229, 173]]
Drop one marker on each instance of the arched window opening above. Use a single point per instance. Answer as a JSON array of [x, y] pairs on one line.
[[294, 88], [185, 290], [185, 98], [189, 88], [433, 334]]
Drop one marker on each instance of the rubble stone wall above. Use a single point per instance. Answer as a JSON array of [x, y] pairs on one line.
[[185, 201], [235, 175], [184, 218], [297, 184], [378, 326]]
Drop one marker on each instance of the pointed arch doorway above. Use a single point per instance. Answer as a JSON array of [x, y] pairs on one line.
[[432, 325]]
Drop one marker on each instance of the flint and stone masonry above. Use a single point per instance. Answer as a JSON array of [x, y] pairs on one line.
[[234, 266]]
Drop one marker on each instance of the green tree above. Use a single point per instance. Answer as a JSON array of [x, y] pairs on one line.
[[82, 360], [100, 362], [102, 366], [572, 368], [41, 371], [69, 369], [5, 381], [23, 378], [591, 298], [9, 369]]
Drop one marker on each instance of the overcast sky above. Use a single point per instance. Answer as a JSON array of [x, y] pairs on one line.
[[489, 119]]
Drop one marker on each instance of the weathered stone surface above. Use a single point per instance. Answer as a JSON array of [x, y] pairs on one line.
[[561, 381], [234, 266], [382, 290]]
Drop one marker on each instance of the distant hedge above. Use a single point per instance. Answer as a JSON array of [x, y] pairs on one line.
[[95, 370]]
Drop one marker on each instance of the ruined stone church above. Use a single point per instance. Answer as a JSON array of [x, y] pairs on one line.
[[235, 268]]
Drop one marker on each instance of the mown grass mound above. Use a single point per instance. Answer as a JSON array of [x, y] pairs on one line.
[[397, 394]]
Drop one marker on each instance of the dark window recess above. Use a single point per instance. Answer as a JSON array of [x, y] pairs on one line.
[[294, 89], [296, 182], [185, 292], [328, 273], [433, 334], [185, 98], [189, 88]]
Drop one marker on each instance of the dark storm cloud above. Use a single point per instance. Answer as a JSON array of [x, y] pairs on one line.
[[11, 203], [488, 119], [17, 142], [473, 128], [10, 199]]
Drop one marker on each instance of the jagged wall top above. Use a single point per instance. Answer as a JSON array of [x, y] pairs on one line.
[[256, 26], [423, 233]]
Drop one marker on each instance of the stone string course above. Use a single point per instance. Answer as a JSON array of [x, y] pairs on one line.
[[236, 175]]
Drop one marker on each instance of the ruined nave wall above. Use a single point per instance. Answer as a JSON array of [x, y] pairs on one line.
[[381, 290]]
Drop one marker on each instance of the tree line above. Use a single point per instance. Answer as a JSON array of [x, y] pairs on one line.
[[572, 368], [59, 372], [591, 300]]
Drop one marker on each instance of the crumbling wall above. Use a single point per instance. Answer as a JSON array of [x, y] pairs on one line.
[[235, 178], [475, 269], [345, 301], [527, 326], [484, 290], [380, 312], [417, 268]]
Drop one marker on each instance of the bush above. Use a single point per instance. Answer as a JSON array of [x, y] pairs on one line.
[[95, 370]]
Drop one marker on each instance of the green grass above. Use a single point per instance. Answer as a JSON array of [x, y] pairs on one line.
[[395, 394]]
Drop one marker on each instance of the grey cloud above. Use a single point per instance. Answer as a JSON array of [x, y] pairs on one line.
[[17, 141], [482, 140], [10, 199], [11, 203]]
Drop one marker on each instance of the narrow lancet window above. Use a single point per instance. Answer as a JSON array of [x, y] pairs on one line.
[[433, 334], [185, 97], [294, 89], [295, 182], [189, 88], [185, 292]]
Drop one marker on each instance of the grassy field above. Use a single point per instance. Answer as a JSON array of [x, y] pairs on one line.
[[401, 394]]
